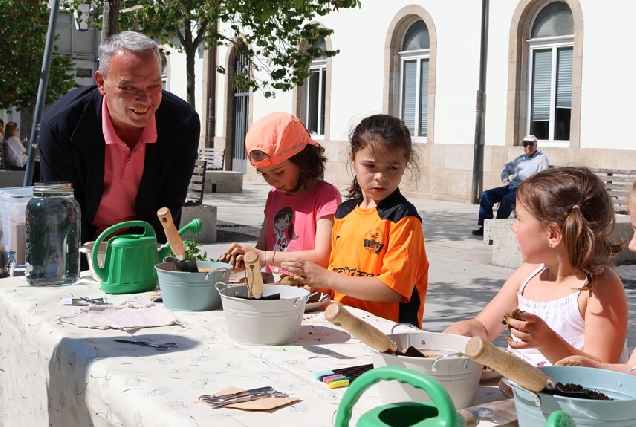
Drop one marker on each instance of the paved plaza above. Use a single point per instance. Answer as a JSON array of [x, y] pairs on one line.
[[461, 278]]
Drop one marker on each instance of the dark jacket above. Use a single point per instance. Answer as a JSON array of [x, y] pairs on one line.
[[72, 149]]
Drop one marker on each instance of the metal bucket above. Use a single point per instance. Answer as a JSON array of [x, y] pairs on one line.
[[185, 290], [533, 409], [263, 322], [458, 374]]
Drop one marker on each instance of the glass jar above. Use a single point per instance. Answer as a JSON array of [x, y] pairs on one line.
[[53, 228]]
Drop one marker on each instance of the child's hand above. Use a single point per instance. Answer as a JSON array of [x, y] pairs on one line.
[[234, 255], [577, 360], [315, 274], [532, 332]]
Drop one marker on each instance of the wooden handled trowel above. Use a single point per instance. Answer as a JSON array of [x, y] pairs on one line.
[[176, 244], [365, 332]]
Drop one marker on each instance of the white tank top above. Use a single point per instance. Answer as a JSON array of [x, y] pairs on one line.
[[561, 315]]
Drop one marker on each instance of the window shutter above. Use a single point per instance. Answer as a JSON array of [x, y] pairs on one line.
[[424, 98], [409, 97], [541, 84], [564, 78]]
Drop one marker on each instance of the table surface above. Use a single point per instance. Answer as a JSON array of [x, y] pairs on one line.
[[58, 374]]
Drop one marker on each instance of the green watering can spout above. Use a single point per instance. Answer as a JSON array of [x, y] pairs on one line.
[[193, 226]]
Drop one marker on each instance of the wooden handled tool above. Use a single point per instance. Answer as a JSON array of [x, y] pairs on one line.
[[523, 373], [366, 333], [254, 276], [176, 244], [507, 364]]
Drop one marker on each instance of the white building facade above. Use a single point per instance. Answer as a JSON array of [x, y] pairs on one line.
[[556, 69]]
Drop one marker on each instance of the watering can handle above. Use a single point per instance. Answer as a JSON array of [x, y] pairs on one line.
[[437, 393], [148, 230]]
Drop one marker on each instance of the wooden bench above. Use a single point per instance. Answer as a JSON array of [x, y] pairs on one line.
[[197, 181], [214, 158], [218, 180], [618, 183], [194, 207]]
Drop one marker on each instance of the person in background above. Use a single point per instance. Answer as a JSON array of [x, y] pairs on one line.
[[16, 153], [571, 302], [127, 146], [378, 261], [1, 131], [300, 208], [630, 365], [512, 174]]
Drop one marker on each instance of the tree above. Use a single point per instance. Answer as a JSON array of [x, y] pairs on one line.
[[23, 27], [269, 33]]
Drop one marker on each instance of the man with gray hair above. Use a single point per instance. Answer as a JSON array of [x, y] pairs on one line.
[[512, 174], [127, 146]]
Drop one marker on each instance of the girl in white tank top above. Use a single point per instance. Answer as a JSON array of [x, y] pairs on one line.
[[572, 304]]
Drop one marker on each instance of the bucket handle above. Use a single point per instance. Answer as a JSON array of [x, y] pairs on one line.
[[459, 355], [512, 384], [220, 286], [407, 325], [440, 397]]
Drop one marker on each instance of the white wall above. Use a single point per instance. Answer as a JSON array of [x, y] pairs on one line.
[[178, 77], [608, 90], [357, 83], [496, 108]]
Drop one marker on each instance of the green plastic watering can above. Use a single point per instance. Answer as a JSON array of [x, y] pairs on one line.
[[130, 259], [439, 413]]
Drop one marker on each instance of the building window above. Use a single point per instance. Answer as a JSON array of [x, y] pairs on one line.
[[550, 73], [315, 94], [164, 72], [414, 67], [72, 42]]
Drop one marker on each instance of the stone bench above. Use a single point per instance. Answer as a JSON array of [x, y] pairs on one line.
[[217, 181], [11, 177], [505, 251]]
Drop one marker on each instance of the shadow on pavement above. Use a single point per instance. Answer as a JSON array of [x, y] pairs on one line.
[[227, 232]]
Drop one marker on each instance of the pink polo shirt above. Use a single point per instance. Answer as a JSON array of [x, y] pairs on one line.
[[123, 169]]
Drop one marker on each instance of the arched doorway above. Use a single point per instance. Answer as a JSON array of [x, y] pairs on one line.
[[240, 110]]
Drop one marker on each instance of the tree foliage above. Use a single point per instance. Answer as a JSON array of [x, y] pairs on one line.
[[270, 33], [23, 27]]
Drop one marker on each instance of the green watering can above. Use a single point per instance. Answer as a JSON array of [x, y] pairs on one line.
[[438, 413], [130, 259]]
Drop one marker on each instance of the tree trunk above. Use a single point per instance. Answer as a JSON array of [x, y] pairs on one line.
[[190, 54], [111, 18]]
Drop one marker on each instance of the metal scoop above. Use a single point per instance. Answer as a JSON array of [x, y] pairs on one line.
[[159, 347]]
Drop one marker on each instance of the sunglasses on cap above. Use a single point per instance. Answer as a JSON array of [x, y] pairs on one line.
[[528, 143], [257, 155]]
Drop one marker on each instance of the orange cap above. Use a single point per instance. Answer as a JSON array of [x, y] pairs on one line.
[[275, 138]]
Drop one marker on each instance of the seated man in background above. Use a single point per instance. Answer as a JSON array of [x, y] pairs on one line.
[[127, 146], [512, 174]]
